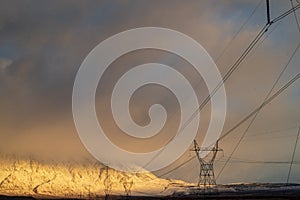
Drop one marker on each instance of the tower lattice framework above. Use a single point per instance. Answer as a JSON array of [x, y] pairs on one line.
[[206, 174]]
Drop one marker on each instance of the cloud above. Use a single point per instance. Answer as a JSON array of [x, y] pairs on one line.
[[5, 63], [48, 43]]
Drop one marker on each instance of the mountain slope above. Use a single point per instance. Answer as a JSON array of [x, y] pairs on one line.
[[33, 178]]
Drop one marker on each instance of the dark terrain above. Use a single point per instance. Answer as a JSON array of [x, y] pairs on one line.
[[232, 191]]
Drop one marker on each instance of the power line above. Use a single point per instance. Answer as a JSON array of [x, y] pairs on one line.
[[277, 137], [293, 156], [265, 102], [239, 31], [295, 78], [236, 34], [259, 109], [262, 138], [227, 75], [289, 83], [272, 132], [242, 160], [295, 15], [280, 17], [263, 40], [178, 166], [232, 69]]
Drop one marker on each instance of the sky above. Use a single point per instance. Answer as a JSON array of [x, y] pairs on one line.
[[43, 43]]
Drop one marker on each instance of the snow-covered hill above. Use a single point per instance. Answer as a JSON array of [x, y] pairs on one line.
[[23, 177], [33, 178]]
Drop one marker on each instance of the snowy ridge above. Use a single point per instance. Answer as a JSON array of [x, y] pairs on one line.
[[33, 178], [23, 177]]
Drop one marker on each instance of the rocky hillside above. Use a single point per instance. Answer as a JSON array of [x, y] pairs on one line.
[[33, 178]]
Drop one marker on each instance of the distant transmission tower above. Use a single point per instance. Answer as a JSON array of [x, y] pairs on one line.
[[107, 184], [206, 175], [127, 184]]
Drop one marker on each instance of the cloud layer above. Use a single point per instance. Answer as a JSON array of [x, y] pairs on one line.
[[42, 45]]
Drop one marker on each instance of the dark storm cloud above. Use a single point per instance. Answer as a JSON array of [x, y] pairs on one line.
[[48, 40], [42, 44]]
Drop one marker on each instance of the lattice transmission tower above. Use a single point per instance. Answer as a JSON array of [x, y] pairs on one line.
[[206, 175]]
